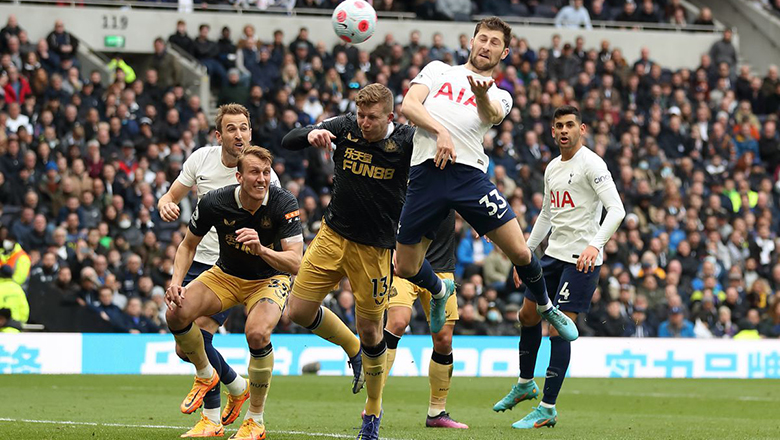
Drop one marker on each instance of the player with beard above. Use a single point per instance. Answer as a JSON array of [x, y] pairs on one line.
[[577, 184], [453, 107]]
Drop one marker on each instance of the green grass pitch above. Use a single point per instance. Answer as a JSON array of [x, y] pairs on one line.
[[309, 407]]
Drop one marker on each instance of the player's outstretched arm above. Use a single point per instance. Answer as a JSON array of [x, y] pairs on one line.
[[181, 264], [489, 111], [169, 203]]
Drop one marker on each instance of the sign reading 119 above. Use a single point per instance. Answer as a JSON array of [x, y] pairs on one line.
[[115, 22]]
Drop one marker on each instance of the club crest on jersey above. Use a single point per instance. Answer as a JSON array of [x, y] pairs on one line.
[[390, 146], [265, 223], [229, 223], [446, 91], [560, 199]]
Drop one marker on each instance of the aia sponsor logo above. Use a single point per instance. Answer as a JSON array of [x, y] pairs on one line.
[[560, 199], [446, 91]]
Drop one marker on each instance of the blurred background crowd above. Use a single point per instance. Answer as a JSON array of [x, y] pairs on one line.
[[694, 153]]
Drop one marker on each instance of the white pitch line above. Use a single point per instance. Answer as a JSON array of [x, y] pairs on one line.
[[122, 425], [673, 395]]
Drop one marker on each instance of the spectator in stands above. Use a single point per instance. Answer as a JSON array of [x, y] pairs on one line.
[[14, 256], [704, 18], [676, 326], [11, 29], [12, 297], [62, 42], [136, 321], [628, 13], [723, 51], [109, 311], [206, 51], [168, 71], [181, 39]]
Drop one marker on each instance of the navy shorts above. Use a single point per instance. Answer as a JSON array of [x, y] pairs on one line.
[[433, 192], [573, 289], [195, 270]]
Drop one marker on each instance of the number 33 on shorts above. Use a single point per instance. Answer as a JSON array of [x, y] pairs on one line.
[[494, 208]]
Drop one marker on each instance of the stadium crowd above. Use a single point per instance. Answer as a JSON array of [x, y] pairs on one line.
[[694, 153]]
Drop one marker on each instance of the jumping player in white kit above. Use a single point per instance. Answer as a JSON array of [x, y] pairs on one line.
[[211, 168], [577, 184], [453, 107]]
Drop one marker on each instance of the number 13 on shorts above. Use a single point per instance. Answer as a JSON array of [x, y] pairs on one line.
[[494, 208]]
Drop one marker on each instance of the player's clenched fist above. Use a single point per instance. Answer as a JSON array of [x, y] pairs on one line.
[[174, 296], [249, 237], [169, 212], [321, 138]]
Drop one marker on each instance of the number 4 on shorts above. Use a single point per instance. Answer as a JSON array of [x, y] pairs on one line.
[[563, 295]]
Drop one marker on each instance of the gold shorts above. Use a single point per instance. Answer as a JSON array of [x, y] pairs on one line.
[[331, 257], [232, 290], [403, 293]]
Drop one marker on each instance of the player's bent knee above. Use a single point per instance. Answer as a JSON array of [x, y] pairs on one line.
[[523, 256], [396, 326], [258, 338], [176, 319], [407, 270], [528, 318], [442, 341]]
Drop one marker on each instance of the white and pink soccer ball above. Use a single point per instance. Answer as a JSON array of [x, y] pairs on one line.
[[354, 21]]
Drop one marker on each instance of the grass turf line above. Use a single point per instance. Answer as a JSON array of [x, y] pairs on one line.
[[301, 407]]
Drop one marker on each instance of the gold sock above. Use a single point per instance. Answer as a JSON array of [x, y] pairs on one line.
[[389, 363], [375, 377], [332, 329], [261, 368], [439, 376], [191, 343]]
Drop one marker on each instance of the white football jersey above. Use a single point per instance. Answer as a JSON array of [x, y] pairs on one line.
[[452, 104], [205, 169], [573, 194]]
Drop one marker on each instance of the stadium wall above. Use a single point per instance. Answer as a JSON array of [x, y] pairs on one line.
[[73, 353], [139, 28]]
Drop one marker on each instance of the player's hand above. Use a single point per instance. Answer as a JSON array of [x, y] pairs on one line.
[[321, 138], [476, 235], [169, 212], [479, 87], [445, 150], [249, 237], [174, 296], [516, 277], [587, 261]]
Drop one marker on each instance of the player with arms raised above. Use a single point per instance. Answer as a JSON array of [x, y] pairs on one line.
[[577, 184], [211, 168], [357, 235], [453, 107], [260, 246]]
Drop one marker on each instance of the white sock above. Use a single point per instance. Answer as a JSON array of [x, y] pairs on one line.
[[442, 292], [237, 387], [213, 415], [546, 405], [434, 412], [520, 380], [257, 417], [544, 307], [206, 372]]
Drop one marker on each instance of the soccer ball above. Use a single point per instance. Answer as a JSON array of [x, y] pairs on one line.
[[354, 21]]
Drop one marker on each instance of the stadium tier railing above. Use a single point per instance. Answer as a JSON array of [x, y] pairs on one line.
[[226, 8]]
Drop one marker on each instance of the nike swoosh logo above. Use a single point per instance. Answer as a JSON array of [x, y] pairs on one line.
[[502, 214], [542, 423], [563, 302]]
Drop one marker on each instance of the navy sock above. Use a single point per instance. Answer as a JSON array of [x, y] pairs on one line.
[[212, 399], [530, 340], [427, 279], [560, 354], [533, 278]]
